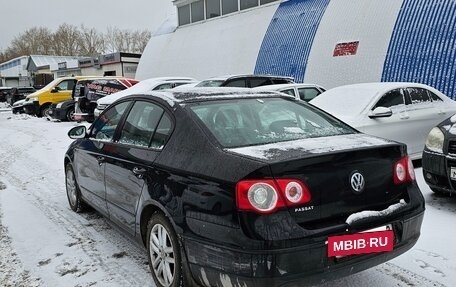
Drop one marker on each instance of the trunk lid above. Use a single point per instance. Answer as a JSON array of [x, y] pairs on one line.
[[331, 168]]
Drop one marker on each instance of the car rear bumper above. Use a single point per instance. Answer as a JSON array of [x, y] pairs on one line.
[[436, 171], [294, 266]]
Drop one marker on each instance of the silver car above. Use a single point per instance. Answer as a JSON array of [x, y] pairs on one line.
[[404, 112]]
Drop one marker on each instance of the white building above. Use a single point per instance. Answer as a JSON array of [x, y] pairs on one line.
[[13, 73], [328, 42]]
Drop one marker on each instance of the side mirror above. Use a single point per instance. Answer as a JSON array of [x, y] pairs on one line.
[[55, 90], [380, 112], [78, 132]]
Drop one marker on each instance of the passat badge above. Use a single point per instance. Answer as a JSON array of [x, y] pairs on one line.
[[357, 182]]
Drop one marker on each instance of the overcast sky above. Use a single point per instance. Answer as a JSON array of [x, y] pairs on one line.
[[18, 16]]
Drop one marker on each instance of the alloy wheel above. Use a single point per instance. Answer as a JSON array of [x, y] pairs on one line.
[[162, 255], [71, 187]]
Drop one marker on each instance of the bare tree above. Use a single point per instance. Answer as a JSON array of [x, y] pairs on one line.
[[36, 40], [65, 41], [70, 40], [140, 40], [91, 42], [126, 40]]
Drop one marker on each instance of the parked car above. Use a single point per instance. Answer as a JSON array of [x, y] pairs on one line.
[[17, 107], [404, 112], [290, 187], [4, 91], [245, 81], [19, 93], [59, 90], [84, 96], [439, 158], [152, 84], [304, 92]]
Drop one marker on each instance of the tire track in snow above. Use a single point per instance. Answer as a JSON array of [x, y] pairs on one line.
[[12, 272], [46, 189]]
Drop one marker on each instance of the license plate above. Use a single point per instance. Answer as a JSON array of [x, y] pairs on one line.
[[371, 241], [453, 173]]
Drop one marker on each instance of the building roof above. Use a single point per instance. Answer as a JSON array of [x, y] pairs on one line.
[[38, 61]]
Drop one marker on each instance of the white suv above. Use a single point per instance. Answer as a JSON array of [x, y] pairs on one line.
[[144, 86]]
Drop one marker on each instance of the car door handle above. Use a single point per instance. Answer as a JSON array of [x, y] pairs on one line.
[[101, 159], [139, 171]]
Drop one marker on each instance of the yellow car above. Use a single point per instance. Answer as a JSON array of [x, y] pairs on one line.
[[59, 90]]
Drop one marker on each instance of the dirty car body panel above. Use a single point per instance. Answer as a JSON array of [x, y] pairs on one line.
[[192, 175]]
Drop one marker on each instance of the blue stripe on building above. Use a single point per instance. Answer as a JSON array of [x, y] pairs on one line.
[[423, 45], [285, 49]]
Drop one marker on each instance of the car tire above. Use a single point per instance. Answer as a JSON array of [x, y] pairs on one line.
[[70, 115], [439, 192], [44, 111], [162, 253], [72, 190]]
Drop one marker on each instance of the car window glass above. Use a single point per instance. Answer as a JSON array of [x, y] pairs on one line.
[[105, 126], [240, 83], [246, 122], [390, 99], [418, 95], [434, 97], [290, 92], [140, 124], [162, 132], [164, 86], [307, 94], [66, 85], [258, 82], [210, 83]]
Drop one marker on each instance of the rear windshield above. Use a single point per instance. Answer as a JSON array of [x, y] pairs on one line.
[[247, 122]]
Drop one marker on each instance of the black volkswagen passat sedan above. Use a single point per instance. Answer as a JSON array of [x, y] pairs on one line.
[[240, 188]]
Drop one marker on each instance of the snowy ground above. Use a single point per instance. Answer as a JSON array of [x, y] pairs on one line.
[[44, 243]]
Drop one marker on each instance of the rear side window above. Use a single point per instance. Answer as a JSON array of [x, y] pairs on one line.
[[307, 94], [391, 99], [140, 124], [418, 95], [105, 126], [162, 132], [245, 122], [434, 97]]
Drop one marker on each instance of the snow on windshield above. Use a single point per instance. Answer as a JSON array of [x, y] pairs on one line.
[[344, 100]]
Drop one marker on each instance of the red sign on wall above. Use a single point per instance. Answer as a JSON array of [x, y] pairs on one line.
[[346, 49]]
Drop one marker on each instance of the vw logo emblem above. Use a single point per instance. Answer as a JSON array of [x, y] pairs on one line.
[[357, 182]]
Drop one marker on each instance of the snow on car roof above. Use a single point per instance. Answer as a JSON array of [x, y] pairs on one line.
[[353, 99], [141, 87], [214, 93], [283, 86]]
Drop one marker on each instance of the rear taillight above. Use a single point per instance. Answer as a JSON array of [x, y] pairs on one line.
[[266, 196], [403, 171]]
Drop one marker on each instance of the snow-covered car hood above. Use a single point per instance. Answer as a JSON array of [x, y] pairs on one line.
[[19, 103]]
